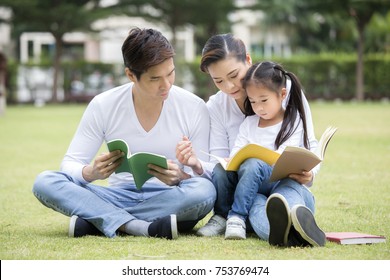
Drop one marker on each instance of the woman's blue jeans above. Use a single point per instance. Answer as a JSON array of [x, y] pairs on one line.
[[244, 193], [107, 208]]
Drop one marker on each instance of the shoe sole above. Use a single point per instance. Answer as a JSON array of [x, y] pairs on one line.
[[234, 237], [72, 224], [305, 224], [208, 234], [278, 215], [174, 231]]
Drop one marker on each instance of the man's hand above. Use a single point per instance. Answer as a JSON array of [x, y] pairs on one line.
[[171, 176], [103, 166], [186, 155]]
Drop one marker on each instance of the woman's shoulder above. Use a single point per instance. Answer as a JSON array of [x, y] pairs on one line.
[[218, 98], [220, 101]]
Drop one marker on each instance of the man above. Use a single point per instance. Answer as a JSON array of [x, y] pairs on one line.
[[150, 114]]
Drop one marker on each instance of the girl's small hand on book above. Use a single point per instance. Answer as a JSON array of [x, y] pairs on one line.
[[303, 178]]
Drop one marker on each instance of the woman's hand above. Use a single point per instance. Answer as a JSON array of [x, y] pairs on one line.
[[171, 176], [103, 166], [302, 178]]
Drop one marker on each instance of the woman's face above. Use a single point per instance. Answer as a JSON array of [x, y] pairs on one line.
[[228, 74]]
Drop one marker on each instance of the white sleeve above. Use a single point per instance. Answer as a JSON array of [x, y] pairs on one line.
[[85, 143], [242, 137], [200, 132], [219, 144]]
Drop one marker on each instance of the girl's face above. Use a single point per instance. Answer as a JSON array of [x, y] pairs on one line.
[[266, 103], [228, 74]]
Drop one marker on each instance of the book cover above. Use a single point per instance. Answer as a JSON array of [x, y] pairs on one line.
[[137, 163], [292, 159], [251, 151], [346, 238]]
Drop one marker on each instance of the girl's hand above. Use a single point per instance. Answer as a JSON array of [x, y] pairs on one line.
[[186, 155], [171, 176], [302, 178], [103, 166]]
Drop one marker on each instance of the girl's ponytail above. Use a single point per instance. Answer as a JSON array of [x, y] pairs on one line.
[[294, 107]]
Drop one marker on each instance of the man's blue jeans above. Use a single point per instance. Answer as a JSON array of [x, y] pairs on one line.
[[110, 207], [244, 193]]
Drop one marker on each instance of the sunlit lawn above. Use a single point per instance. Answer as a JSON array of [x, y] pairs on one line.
[[352, 192]]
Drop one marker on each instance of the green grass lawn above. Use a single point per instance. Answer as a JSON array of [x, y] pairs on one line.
[[352, 193]]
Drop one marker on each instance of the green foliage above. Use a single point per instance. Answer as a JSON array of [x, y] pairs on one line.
[[332, 76], [324, 76], [57, 17], [352, 192], [326, 25]]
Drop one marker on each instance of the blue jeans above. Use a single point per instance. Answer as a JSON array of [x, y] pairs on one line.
[[236, 191], [244, 193], [107, 208]]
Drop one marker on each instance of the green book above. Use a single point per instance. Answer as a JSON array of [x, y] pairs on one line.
[[137, 163]]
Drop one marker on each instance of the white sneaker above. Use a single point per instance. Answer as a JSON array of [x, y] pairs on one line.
[[215, 226], [235, 228]]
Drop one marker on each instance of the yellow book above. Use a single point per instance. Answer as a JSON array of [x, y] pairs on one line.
[[292, 159]]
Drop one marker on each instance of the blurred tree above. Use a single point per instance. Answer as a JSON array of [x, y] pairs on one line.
[[57, 17], [361, 11], [329, 21], [378, 34], [207, 16]]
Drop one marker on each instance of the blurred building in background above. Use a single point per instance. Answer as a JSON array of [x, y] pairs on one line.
[[34, 83]]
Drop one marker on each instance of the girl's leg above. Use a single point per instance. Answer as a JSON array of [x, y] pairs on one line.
[[253, 178], [225, 190]]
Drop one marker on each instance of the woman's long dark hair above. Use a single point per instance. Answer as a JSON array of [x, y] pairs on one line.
[[272, 76]]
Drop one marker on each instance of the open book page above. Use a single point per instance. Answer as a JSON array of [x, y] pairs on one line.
[[324, 141], [297, 159], [294, 160], [221, 160]]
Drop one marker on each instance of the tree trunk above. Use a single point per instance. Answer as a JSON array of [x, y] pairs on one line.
[[57, 64], [174, 37], [360, 65]]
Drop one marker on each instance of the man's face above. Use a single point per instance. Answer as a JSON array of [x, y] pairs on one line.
[[156, 81]]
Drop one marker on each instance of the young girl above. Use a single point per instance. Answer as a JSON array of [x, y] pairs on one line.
[[270, 125]]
